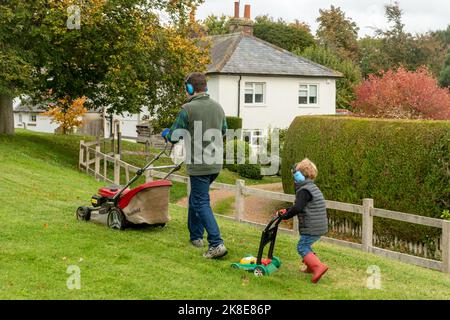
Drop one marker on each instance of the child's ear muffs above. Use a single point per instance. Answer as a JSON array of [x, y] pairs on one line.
[[299, 177]]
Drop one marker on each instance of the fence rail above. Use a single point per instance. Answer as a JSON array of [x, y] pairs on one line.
[[90, 155]]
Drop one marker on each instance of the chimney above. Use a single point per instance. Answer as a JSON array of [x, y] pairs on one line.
[[238, 24], [247, 12], [236, 10]]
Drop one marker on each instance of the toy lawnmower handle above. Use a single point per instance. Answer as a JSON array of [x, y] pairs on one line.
[[275, 221]]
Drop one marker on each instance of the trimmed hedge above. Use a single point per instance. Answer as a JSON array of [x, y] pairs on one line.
[[234, 123], [251, 171], [403, 165]]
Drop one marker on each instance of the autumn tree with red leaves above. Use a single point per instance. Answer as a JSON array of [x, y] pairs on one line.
[[402, 94]]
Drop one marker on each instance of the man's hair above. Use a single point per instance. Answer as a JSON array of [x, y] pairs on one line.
[[307, 168], [198, 81]]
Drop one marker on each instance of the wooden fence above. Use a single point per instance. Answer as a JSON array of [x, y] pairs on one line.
[[93, 161]]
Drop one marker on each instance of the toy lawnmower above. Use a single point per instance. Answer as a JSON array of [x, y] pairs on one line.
[[260, 266], [119, 206]]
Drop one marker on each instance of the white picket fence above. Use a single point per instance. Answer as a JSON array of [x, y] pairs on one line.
[[93, 161]]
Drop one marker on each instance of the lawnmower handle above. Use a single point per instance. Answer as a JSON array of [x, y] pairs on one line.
[[277, 220]]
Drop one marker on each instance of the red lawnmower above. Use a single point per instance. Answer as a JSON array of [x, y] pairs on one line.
[[119, 206]]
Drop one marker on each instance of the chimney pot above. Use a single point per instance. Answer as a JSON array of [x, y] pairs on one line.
[[247, 12], [236, 10]]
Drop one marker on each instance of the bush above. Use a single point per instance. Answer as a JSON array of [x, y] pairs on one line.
[[243, 146], [403, 94], [403, 165], [251, 171], [234, 123]]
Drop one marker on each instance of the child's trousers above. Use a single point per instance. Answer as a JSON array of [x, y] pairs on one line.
[[305, 243]]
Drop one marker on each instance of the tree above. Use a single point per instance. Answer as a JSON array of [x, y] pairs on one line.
[[215, 25], [289, 36], [373, 56], [120, 56], [444, 77], [15, 59], [68, 117], [338, 32], [403, 94], [352, 74]]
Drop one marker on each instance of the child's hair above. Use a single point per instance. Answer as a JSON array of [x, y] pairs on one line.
[[307, 168]]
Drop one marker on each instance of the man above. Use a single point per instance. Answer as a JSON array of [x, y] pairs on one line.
[[201, 111]]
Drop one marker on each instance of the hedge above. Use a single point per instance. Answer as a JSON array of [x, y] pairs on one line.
[[234, 123], [403, 165]]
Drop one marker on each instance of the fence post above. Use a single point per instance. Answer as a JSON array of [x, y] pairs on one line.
[[87, 160], [239, 199], [81, 156], [367, 225], [188, 190], [97, 162], [117, 169], [148, 176], [445, 246], [295, 226]]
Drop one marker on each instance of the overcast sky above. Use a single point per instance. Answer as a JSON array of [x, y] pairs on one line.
[[419, 16]]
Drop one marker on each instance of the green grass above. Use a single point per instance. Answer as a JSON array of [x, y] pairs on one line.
[[40, 189], [224, 206]]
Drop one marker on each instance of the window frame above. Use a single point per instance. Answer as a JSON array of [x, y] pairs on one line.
[[264, 91], [33, 115], [308, 97], [250, 133]]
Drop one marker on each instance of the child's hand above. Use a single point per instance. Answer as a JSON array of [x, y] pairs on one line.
[[281, 212]]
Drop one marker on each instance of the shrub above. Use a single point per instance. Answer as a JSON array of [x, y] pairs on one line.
[[242, 145], [234, 123], [402, 164], [403, 94], [251, 171]]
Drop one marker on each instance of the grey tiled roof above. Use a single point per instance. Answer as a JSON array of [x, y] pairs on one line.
[[238, 53]]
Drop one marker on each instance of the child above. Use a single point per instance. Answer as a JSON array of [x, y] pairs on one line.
[[310, 208]]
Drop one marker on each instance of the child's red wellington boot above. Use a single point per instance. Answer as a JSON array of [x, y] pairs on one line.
[[317, 267]]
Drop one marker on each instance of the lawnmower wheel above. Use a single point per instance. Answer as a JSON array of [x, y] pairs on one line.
[[116, 219], [259, 272], [83, 213], [276, 262]]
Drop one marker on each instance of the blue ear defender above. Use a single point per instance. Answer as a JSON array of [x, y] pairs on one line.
[[189, 88], [299, 177]]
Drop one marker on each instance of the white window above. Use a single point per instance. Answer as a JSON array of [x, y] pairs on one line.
[[255, 93], [33, 117], [308, 94], [20, 118]]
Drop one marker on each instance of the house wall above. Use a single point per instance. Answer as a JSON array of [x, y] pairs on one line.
[[42, 124], [281, 99]]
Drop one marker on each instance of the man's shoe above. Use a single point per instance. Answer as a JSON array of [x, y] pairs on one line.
[[216, 252], [197, 243]]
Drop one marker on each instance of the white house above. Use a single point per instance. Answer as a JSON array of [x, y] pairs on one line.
[[265, 85]]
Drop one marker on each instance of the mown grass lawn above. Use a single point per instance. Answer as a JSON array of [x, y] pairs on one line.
[[40, 238]]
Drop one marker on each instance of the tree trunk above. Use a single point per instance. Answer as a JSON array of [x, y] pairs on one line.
[[6, 115]]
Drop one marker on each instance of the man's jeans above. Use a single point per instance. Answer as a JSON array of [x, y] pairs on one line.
[[200, 215], [305, 243]]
